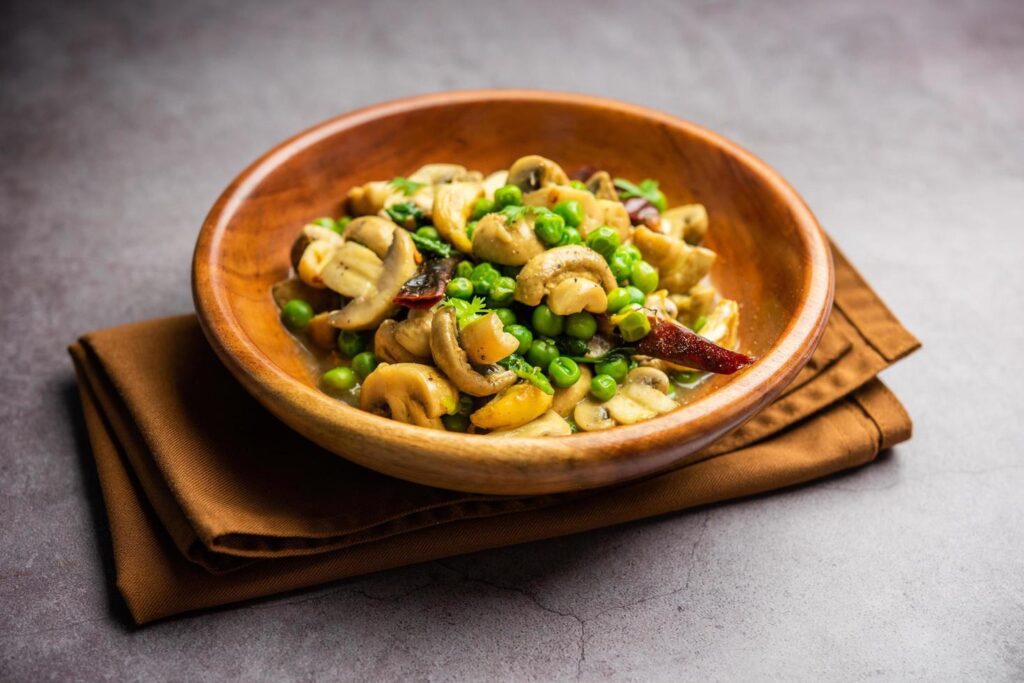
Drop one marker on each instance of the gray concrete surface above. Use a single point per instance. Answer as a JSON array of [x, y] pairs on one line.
[[901, 123]]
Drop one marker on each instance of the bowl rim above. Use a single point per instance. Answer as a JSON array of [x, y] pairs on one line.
[[700, 422]]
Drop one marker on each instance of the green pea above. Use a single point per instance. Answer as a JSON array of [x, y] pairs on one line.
[[699, 323], [578, 185], [644, 277], [464, 269], [550, 227], [636, 295], [634, 326], [523, 336], [630, 252], [341, 224], [687, 377], [581, 325], [338, 380], [542, 352], [571, 211], [483, 278], [364, 363], [621, 266], [604, 241], [482, 207], [455, 423], [509, 195], [563, 372], [351, 343], [296, 314], [324, 222], [460, 288], [615, 367], [506, 315], [546, 322], [429, 232], [572, 236], [618, 298], [603, 387], [502, 291]]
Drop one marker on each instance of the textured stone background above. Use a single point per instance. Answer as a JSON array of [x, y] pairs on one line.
[[901, 123]]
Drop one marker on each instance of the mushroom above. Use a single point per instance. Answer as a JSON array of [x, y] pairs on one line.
[[452, 359], [369, 198], [659, 301], [496, 241], [680, 265], [534, 172], [566, 399], [313, 260], [552, 195], [613, 214], [373, 232], [406, 341], [601, 185], [591, 416], [437, 174], [548, 424], [493, 182], [513, 407], [688, 222], [321, 332], [453, 205], [583, 268], [310, 233], [700, 300], [652, 377], [486, 341], [351, 269], [722, 326], [370, 308], [408, 392]]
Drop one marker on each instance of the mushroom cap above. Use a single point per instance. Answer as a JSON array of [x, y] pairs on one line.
[[548, 424], [388, 349], [452, 359], [592, 416], [486, 341], [688, 222], [652, 377], [373, 232], [436, 174], [566, 399], [546, 270], [369, 309], [408, 392], [453, 205], [509, 245], [576, 294], [351, 269], [534, 172], [600, 183], [679, 265]]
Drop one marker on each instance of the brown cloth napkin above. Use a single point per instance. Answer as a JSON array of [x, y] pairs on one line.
[[211, 500]]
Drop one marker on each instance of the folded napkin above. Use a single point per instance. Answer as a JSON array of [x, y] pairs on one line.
[[211, 500]]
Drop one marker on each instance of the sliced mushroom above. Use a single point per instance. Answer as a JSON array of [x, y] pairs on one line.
[[351, 270], [406, 341], [314, 259], [576, 294], [545, 271], [437, 174], [602, 186], [591, 416], [321, 332], [552, 195], [700, 300], [659, 301], [613, 214], [453, 205], [495, 240], [493, 182], [548, 424], [373, 232], [369, 309], [486, 341], [641, 397], [513, 407], [680, 265], [652, 377], [451, 358], [408, 392], [368, 199], [534, 172], [310, 233], [722, 326], [566, 399], [688, 222]]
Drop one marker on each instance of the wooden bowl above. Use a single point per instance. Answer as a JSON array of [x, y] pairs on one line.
[[773, 259]]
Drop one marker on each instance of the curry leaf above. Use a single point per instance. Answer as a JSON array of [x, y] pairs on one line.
[[646, 189], [530, 373], [431, 245], [405, 213]]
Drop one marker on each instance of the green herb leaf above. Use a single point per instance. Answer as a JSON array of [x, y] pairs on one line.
[[514, 213], [618, 352], [431, 245], [405, 186], [467, 311], [405, 213], [530, 373], [647, 189]]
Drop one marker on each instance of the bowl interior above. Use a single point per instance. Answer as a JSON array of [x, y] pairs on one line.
[[773, 259], [752, 232]]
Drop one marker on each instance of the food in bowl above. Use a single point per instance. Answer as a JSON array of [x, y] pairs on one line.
[[521, 303]]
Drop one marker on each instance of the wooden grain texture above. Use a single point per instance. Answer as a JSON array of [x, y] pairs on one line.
[[773, 259]]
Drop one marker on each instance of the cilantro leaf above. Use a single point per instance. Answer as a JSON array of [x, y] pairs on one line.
[[405, 186], [647, 189], [467, 311], [530, 373], [405, 213], [431, 245]]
